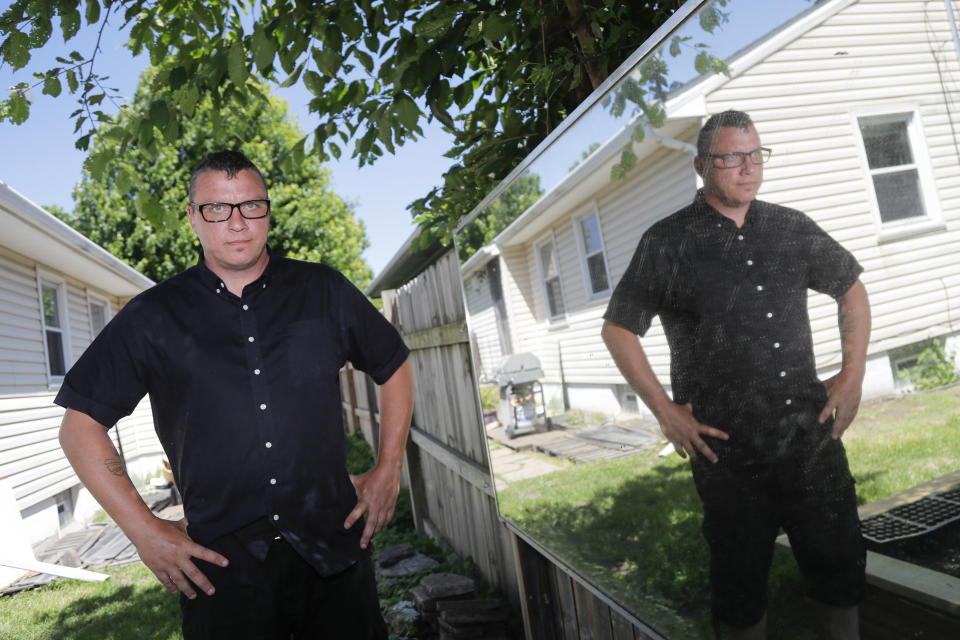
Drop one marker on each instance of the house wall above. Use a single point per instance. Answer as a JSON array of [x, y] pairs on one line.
[[31, 460], [869, 58], [482, 320], [663, 183]]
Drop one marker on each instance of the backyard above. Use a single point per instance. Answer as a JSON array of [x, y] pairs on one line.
[[581, 512], [633, 525]]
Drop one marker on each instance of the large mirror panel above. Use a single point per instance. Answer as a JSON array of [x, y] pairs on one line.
[[860, 103]]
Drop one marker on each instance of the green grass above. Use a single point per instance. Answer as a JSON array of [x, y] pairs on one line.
[[633, 525], [131, 605]]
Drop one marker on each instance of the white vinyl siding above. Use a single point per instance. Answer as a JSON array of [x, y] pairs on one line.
[[482, 320], [871, 58]]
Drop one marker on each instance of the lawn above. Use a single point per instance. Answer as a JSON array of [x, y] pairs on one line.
[[633, 525]]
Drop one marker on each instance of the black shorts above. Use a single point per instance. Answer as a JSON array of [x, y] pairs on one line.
[[810, 495], [282, 598]]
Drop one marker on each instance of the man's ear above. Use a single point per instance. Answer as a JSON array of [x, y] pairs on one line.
[[698, 165]]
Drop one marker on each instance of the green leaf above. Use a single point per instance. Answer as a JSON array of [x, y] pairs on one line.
[[702, 62], [93, 11], [69, 22], [406, 110], [313, 81], [463, 94], [188, 99], [496, 27], [236, 64], [16, 50], [675, 46], [17, 109], [334, 149], [97, 164], [124, 180], [51, 86], [364, 59], [72, 81], [149, 208], [429, 66], [638, 134], [293, 77], [177, 78], [328, 61], [263, 50]]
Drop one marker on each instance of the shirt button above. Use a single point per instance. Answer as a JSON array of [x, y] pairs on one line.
[[250, 339], [264, 287], [783, 374], [218, 290], [263, 407], [276, 516], [776, 345], [256, 372], [245, 307], [268, 444], [789, 401], [740, 237], [749, 263], [273, 481], [759, 287], [769, 315]]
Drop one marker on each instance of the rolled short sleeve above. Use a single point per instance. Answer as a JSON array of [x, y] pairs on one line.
[[373, 345], [832, 269], [108, 381], [643, 290]]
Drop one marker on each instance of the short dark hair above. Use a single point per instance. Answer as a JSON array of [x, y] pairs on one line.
[[229, 161], [730, 118]]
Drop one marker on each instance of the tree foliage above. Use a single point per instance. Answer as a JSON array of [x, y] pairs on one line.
[[498, 74], [308, 221]]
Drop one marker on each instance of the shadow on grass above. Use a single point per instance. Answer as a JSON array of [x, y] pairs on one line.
[[640, 542], [127, 613]]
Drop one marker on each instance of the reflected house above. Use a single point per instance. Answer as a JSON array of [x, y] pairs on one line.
[[860, 102], [57, 291]]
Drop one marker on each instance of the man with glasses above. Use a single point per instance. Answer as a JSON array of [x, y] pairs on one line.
[[728, 275], [241, 356]]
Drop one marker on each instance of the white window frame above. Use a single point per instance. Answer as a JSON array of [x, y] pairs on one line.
[[550, 238], [96, 298], [933, 218], [45, 278], [592, 295]]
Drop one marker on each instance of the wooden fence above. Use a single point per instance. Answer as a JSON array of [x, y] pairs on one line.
[[448, 469]]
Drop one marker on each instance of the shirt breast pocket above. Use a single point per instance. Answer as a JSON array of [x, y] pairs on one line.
[[311, 351]]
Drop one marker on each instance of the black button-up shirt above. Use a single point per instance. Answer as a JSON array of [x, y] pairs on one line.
[[733, 304], [246, 396]]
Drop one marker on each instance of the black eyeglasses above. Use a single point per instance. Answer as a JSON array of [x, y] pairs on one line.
[[734, 159], [221, 211]]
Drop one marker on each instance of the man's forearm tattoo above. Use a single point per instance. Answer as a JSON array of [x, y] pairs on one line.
[[115, 466], [848, 324]]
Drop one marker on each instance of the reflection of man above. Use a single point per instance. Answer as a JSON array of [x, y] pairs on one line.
[[240, 355], [728, 276]]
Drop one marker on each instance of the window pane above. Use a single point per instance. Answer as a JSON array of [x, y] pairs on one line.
[[51, 307], [55, 353], [98, 317], [591, 235], [555, 297], [887, 144], [898, 195], [598, 273], [547, 263]]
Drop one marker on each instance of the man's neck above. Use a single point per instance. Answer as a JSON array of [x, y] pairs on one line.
[[736, 213]]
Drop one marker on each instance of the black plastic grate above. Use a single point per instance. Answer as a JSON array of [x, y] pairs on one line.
[[913, 519]]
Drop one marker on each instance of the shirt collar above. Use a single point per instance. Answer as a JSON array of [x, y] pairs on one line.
[[212, 281], [707, 213]]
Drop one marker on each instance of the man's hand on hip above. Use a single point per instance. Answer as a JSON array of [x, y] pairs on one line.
[[684, 431], [843, 396], [168, 552], [377, 497]]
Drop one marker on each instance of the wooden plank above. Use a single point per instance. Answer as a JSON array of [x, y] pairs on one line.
[[467, 469], [593, 616], [567, 602], [449, 334]]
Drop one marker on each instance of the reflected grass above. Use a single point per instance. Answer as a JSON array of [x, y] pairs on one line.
[[633, 525]]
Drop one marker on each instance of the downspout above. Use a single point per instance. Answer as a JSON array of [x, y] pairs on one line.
[[679, 145], [953, 27]]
